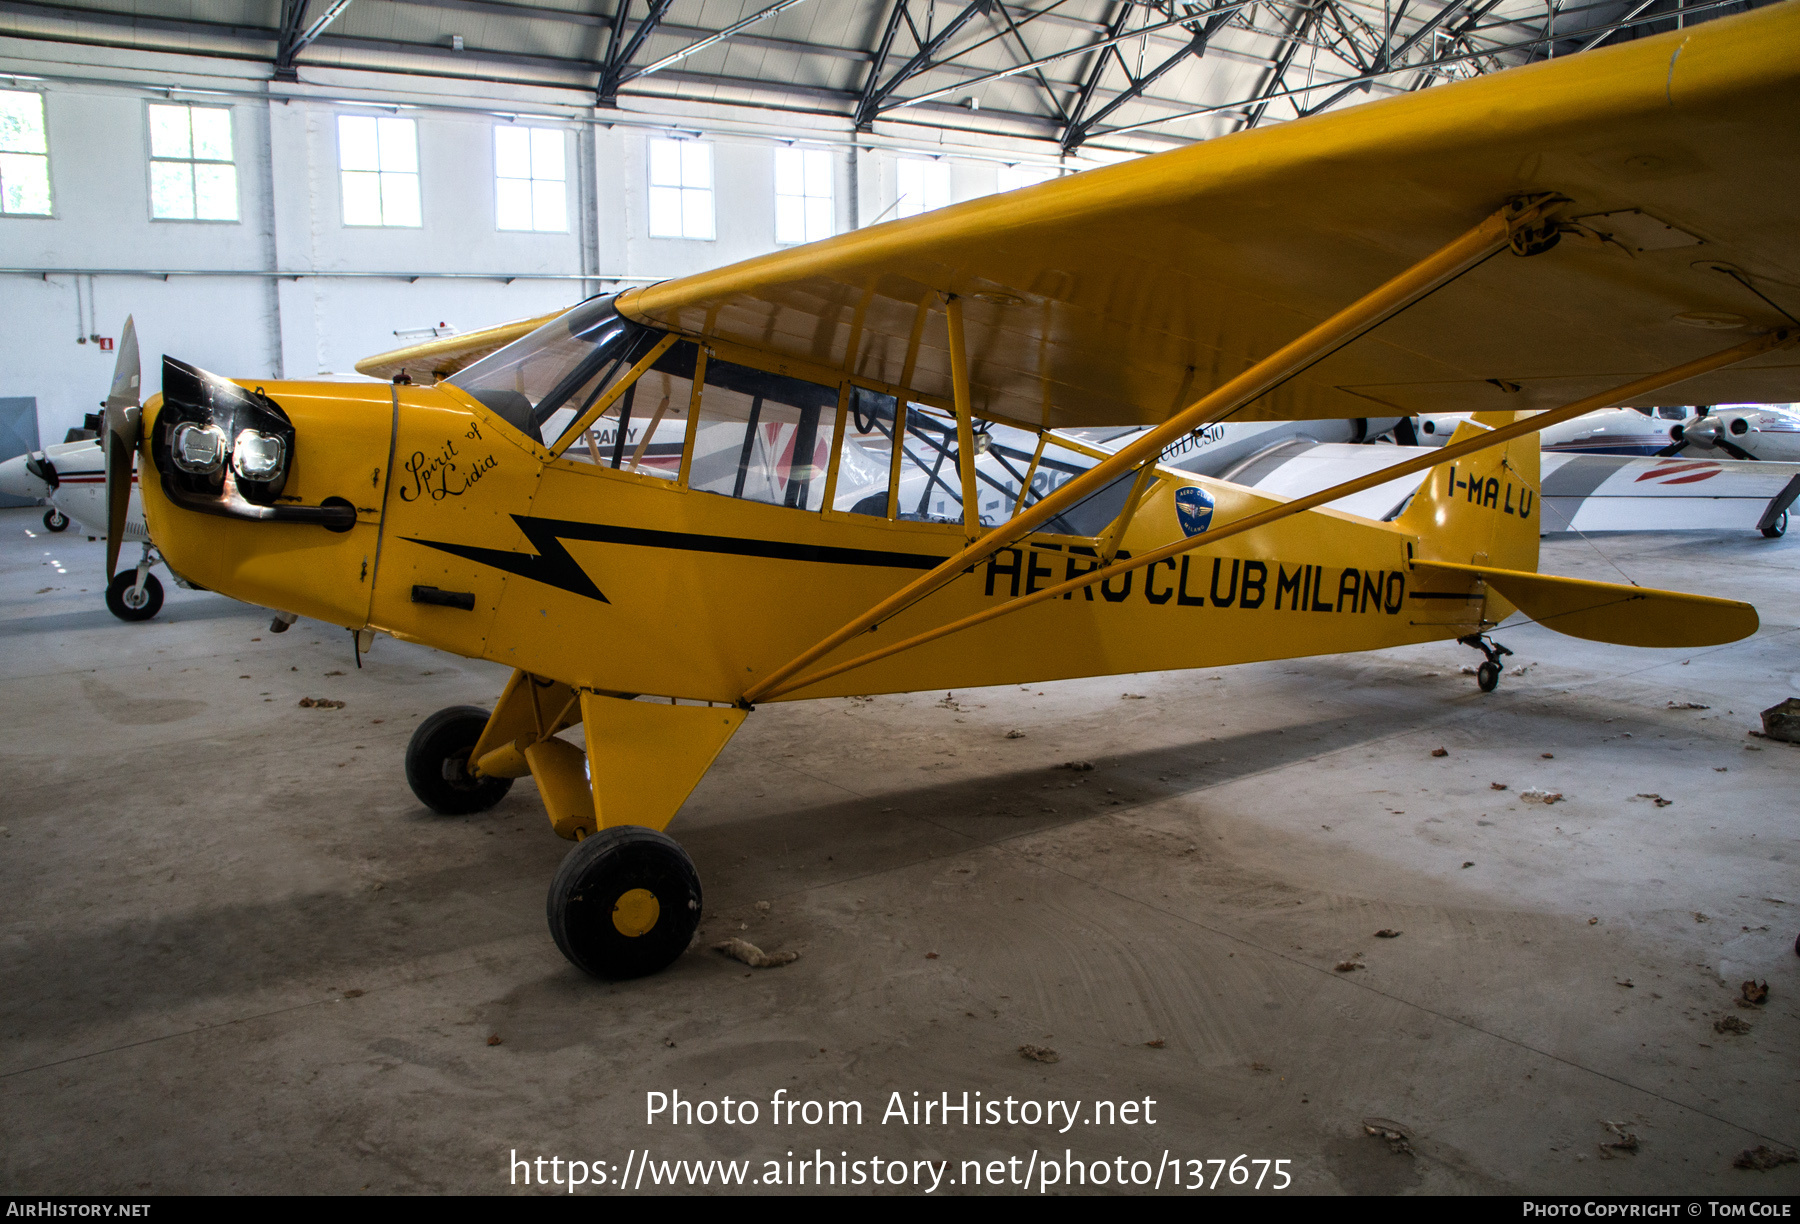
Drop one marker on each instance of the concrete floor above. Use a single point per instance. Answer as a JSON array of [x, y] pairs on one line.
[[239, 956]]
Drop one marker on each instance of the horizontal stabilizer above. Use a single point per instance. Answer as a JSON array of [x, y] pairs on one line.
[[1610, 612]]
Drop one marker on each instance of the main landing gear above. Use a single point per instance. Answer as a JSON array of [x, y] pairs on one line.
[[55, 520], [626, 900], [1487, 676]]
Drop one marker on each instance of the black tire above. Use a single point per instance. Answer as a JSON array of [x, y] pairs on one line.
[[55, 520], [1487, 677], [584, 902], [1774, 530], [125, 602], [437, 762]]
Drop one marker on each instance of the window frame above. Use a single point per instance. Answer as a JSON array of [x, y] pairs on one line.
[[931, 163], [493, 148], [830, 199], [43, 96], [417, 173], [150, 160], [711, 189], [823, 376]]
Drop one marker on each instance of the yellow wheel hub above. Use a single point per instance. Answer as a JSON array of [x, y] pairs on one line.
[[635, 912]]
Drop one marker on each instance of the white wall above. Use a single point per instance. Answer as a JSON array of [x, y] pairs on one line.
[[290, 220]]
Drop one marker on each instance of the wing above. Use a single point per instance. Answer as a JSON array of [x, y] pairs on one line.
[[1118, 295], [440, 358]]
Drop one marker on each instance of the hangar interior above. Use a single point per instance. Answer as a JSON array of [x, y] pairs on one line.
[[1307, 906]]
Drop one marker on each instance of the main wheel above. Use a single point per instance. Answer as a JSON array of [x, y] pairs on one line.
[[624, 903], [55, 520], [125, 601], [1774, 530], [437, 764], [1487, 677]]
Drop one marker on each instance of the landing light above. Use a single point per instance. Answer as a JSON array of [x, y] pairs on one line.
[[199, 449], [257, 456]]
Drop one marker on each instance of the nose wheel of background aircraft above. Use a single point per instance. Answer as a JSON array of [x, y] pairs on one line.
[[437, 764], [55, 520], [624, 903], [1773, 531], [1487, 676]]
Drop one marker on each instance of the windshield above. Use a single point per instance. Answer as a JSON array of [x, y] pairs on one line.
[[559, 370]]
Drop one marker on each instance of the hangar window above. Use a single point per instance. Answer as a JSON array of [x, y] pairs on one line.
[[24, 155], [192, 177], [681, 189], [378, 163], [803, 196], [921, 185], [763, 437], [531, 190]]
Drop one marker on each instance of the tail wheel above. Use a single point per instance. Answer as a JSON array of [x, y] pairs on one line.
[[55, 520], [1774, 530], [125, 601], [1487, 677], [624, 903], [437, 764]]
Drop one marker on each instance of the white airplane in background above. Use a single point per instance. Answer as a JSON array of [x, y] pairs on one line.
[[1641, 490], [71, 476], [1764, 432]]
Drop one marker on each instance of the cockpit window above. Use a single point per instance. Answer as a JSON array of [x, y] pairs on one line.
[[554, 374]]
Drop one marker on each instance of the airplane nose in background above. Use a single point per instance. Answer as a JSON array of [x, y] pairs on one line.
[[17, 481]]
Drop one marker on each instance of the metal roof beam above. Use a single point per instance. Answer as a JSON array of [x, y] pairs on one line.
[[619, 53], [296, 36], [713, 39], [1078, 132]]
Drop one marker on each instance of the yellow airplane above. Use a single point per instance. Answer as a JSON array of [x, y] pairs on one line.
[[847, 468]]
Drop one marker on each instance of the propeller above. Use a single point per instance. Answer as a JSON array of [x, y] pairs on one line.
[[121, 441], [1709, 433]]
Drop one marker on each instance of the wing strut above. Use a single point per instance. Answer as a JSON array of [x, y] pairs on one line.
[[1506, 433], [1432, 272]]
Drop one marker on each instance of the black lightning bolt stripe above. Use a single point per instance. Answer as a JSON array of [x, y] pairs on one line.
[[553, 566]]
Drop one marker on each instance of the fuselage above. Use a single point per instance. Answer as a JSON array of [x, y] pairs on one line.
[[581, 563]]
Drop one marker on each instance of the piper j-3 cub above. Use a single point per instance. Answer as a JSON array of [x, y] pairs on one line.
[[779, 480]]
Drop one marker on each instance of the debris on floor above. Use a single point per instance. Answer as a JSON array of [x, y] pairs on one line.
[[1658, 800], [1397, 1137], [762, 907], [1124, 696], [1496, 786], [1387, 933], [1762, 1158], [494, 1039], [1699, 917], [1688, 705], [1468, 864], [1626, 1142], [1348, 966], [1015, 734], [320, 703], [1077, 766], [1756, 992], [1157, 1044], [1534, 795], [1730, 1024], [1043, 1054], [1440, 752], [1627, 983], [755, 957], [1782, 721]]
